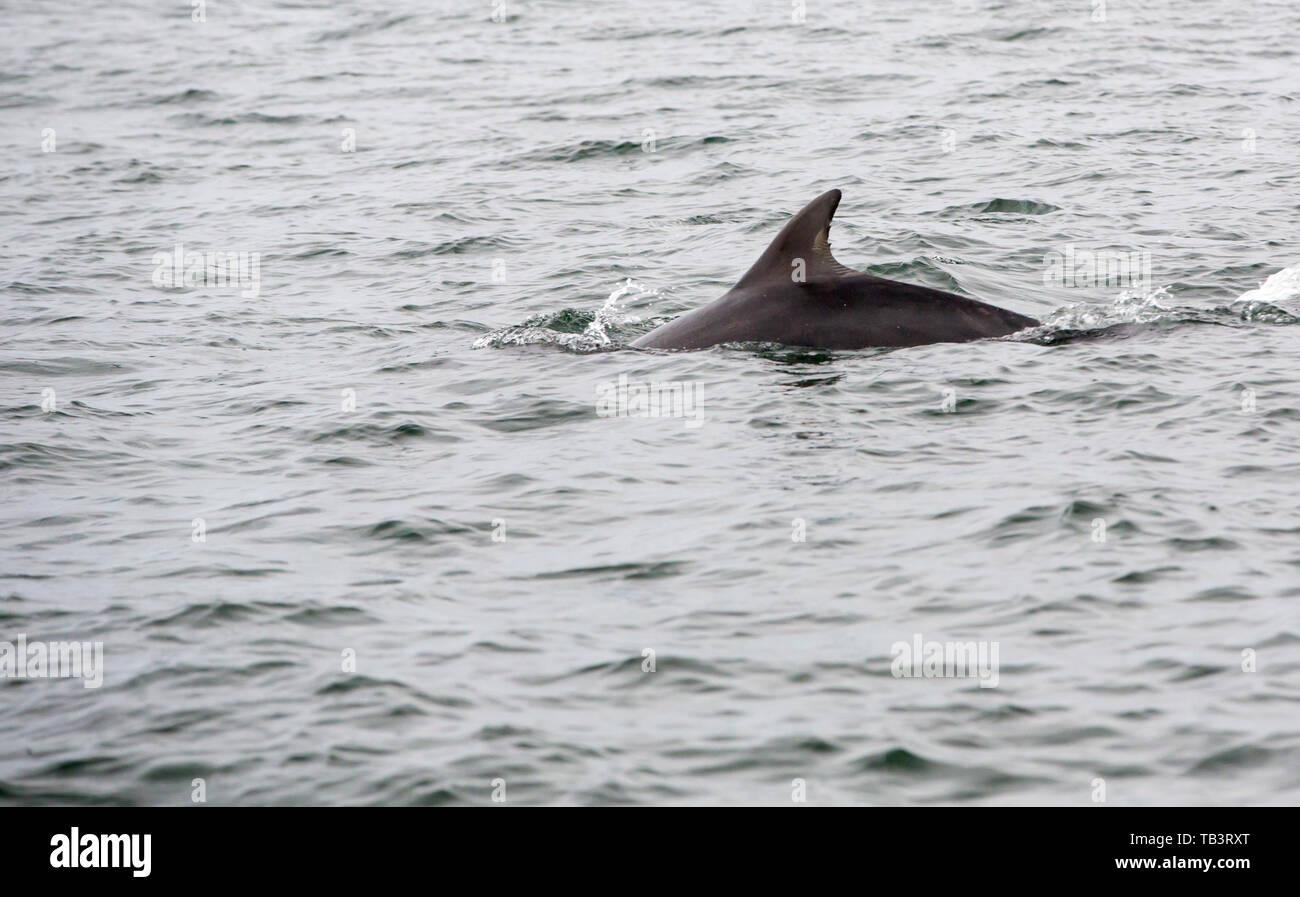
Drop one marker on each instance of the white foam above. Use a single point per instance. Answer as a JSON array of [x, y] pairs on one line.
[[1128, 308], [1280, 287], [1266, 304], [597, 335]]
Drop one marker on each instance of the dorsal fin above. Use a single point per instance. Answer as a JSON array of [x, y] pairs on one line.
[[805, 236]]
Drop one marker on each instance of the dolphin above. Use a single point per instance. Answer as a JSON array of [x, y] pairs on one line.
[[797, 294]]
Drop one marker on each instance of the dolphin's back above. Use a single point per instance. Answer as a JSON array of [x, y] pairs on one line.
[[864, 310], [856, 312], [796, 293]]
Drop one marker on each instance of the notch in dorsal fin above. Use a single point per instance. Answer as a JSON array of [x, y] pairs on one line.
[[805, 236]]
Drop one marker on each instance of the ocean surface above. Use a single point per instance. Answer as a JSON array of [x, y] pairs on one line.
[[358, 529]]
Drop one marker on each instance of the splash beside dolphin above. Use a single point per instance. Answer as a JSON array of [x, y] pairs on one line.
[[799, 295]]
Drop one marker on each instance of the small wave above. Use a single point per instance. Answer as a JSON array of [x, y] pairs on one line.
[[381, 433], [600, 331], [363, 28], [1021, 34], [721, 172], [585, 149], [999, 206], [922, 270], [600, 149], [192, 95], [457, 246], [429, 530], [203, 120]]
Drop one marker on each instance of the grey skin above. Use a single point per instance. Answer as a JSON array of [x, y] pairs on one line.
[[834, 307]]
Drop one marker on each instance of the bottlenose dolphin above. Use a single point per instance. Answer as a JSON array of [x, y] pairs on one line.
[[799, 295]]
